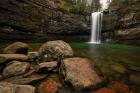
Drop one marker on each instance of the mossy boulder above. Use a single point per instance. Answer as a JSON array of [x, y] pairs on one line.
[[56, 49]]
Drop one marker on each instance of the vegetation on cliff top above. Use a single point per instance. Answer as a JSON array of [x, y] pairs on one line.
[[79, 6]]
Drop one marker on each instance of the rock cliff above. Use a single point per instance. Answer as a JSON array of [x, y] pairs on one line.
[[123, 22], [22, 19]]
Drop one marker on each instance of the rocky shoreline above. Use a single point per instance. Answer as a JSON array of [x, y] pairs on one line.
[[53, 68]]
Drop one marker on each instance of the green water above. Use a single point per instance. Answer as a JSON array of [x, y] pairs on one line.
[[109, 55]]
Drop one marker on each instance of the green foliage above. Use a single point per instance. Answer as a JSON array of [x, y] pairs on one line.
[[65, 6], [78, 7]]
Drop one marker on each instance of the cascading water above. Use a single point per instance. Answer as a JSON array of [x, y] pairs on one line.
[[96, 27], [97, 22]]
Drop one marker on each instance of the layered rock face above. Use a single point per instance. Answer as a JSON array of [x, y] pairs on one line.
[[124, 21], [20, 19], [126, 13]]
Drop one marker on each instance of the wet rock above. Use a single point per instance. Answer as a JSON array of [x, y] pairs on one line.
[[30, 72], [114, 87], [47, 66], [1, 77], [134, 79], [16, 68], [80, 73], [25, 89], [105, 90], [120, 87], [9, 57], [6, 87], [16, 48], [133, 68], [55, 78], [119, 68], [27, 80], [32, 56], [56, 49], [49, 86]]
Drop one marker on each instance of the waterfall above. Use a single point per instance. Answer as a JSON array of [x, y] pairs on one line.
[[97, 22], [96, 27]]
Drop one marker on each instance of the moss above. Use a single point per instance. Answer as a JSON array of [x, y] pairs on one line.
[[119, 68]]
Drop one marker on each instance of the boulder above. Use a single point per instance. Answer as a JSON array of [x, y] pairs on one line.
[[49, 86], [32, 56], [30, 72], [118, 68], [47, 66], [134, 79], [16, 48], [56, 49], [25, 89], [25, 80], [6, 87], [8, 57], [105, 90], [81, 73], [120, 87], [16, 68]]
